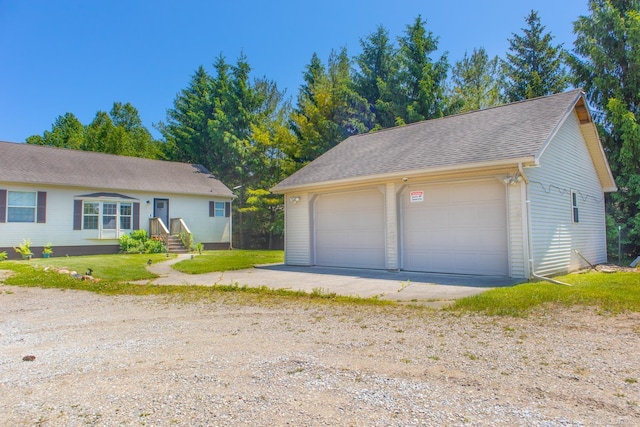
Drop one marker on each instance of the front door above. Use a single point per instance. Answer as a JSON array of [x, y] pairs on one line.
[[161, 210]]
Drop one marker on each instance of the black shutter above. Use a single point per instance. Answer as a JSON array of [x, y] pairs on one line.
[[136, 216], [41, 212], [212, 208], [227, 209], [3, 205], [77, 214]]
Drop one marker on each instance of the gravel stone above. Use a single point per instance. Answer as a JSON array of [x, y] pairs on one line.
[[112, 361]]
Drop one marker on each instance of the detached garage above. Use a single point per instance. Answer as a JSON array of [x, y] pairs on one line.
[[493, 192]]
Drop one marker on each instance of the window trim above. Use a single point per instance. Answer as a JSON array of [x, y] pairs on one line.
[[33, 208], [79, 215], [575, 210]]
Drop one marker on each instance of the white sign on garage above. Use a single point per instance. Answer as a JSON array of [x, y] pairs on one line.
[[350, 229], [458, 228]]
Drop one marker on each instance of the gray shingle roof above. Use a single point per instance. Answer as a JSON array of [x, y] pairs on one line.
[[33, 164], [511, 131]]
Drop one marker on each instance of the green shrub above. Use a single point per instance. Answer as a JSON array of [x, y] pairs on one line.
[[24, 249], [3, 255], [154, 247], [138, 242]]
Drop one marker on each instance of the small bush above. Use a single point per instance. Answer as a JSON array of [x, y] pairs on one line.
[[24, 249], [138, 242]]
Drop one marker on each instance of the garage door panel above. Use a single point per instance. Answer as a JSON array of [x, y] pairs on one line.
[[349, 229], [457, 228]]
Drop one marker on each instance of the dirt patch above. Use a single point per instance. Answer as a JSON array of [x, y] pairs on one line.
[[101, 360]]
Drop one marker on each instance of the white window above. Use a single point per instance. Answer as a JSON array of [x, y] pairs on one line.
[[574, 205], [21, 206], [125, 216], [107, 215], [90, 215], [219, 209]]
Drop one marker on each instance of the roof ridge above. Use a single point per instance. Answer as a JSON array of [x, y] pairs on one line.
[[451, 116]]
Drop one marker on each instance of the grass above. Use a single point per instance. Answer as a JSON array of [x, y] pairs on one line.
[[119, 267], [236, 259], [608, 292], [116, 271]]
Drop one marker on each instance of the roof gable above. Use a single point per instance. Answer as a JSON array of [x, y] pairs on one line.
[[34, 164], [516, 132]]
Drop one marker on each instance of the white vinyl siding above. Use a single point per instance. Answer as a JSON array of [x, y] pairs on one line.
[[59, 226], [518, 257], [297, 235], [350, 229], [566, 167]]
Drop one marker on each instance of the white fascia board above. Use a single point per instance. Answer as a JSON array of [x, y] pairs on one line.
[[527, 161]]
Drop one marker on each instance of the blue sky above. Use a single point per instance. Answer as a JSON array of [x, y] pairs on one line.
[[82, 56]]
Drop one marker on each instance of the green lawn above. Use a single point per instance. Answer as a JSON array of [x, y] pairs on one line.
[[608, 292], [236, 259], [120, 267]]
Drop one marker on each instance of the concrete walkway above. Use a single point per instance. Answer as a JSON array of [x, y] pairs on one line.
[[397, 286]]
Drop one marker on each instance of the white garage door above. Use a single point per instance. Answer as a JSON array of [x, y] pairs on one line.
[[349, 229], [455, 228]]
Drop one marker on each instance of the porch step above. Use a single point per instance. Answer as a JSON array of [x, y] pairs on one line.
[[174, 246]]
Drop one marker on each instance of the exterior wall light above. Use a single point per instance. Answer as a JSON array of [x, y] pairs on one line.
[[294, 199]]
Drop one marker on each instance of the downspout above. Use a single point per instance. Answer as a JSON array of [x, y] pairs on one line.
[[529, 238]]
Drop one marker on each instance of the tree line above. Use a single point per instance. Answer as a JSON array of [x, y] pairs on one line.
[[250, 136]]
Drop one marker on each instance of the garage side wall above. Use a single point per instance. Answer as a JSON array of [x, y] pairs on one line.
[[518, 255], [566, 174], [297, 234]]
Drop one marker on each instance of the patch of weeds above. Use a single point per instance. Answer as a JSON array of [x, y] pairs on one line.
[[471, 356], [434, 358], [405, 360], [399, 331], [630, 380], [296, 371], [619, 395]]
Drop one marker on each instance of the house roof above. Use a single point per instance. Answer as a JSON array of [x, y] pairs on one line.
[[39, 165], [516, 133]]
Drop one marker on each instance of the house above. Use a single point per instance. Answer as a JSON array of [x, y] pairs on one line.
[[83, 202], [516, 190]]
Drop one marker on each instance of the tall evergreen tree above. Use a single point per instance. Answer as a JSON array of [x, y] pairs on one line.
[[421, 93], [607, 64], [329, 109], [186, 129], [376, 76], [534, 67], [237, 128], [477, 81]]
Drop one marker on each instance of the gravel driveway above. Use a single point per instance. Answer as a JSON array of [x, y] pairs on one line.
[[103, 360]]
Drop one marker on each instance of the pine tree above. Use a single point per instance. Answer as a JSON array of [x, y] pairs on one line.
[[534, 67], [329, 109], [376, 76], [421, 94], [477, 82], [606, 63]]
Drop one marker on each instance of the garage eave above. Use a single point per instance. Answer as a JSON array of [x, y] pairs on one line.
[[402, 175]]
